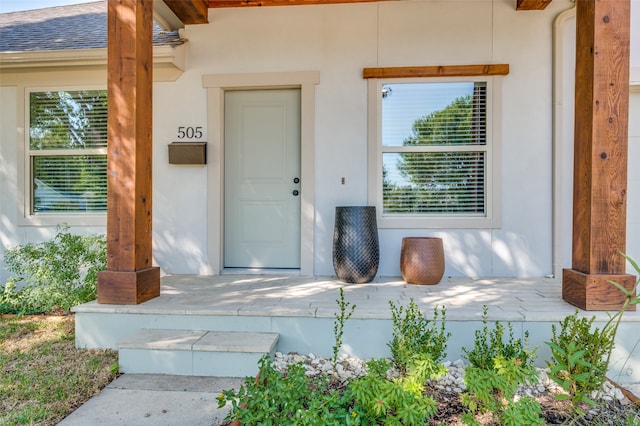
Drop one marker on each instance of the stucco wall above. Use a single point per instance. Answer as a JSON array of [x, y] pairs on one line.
[[12, 117], [339, 41]]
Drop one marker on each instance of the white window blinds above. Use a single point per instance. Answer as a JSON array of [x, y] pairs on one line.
[[67, 151], [434, 148]]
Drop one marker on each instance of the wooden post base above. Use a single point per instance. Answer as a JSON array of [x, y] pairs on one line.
[[595, 292], [128, 287]]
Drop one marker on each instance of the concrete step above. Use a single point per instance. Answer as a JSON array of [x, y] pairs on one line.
[[194, 352]]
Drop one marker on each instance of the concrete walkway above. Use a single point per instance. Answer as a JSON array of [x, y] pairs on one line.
[[159, 400], [162, 400]]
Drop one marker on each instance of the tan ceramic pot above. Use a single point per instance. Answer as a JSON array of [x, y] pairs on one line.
[[422, 260]]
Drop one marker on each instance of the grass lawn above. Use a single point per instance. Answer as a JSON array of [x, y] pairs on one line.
[[43, 377]]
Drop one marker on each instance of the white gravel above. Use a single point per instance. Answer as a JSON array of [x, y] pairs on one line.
[[349, 368]]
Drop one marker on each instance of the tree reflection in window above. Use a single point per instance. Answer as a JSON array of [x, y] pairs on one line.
[[67, 146], [439, 168]]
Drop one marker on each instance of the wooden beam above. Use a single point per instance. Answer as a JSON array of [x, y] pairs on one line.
[[256, 3], [130, 277], [600, 155], [190, 11], [437, 71], [532, 4]]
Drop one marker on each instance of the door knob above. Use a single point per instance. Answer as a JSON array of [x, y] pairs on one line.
[[295, 192]]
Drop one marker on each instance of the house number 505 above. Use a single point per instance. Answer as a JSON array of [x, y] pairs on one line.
[[189, 132]]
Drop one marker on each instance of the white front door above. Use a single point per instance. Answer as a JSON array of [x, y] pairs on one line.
[[262, 179]]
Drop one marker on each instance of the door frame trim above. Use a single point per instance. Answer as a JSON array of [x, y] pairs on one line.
[[216, 85]]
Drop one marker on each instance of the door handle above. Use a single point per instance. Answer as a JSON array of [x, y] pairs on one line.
[[295, 192]]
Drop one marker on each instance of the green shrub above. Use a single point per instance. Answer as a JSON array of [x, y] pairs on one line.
[[415, 337], [498, 367], [581, 353], [53, 275], [378, 400], [499, 364], [295, 398], [490, 344], [525, 411], [578, 350], [275, 398]]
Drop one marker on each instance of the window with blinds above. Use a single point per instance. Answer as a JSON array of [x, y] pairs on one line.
[[434, 148], [67, 151]]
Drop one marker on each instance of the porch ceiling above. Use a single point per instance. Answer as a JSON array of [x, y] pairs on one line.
[[196, 11]]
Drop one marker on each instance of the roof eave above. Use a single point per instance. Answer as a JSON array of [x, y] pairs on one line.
[[165, 17], [168, 61]]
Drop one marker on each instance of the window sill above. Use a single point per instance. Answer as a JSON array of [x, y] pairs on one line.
[[71, 219], [438, 222]]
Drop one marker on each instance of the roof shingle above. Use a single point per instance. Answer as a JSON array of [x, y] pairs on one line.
[[81, 26]]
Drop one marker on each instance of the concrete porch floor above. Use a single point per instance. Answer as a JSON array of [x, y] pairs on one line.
[[301, 309]]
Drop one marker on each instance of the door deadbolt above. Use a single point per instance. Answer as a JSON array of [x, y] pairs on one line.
[[296, 180]]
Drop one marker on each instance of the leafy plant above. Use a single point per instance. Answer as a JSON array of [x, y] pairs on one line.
[[56, 274], [346, 310], [292, 397], [499, 364], [578, 350], [295, 398], [417, 348], [581, 353], [378, 400], [415, 337], [524, 411], [490, 344], [498, 367], [274, 398]]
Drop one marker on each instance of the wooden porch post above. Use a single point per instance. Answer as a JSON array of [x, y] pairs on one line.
[[600, 156], [129, 278]]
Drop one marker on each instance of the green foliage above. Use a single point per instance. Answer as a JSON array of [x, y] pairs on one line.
[[275, 398], [490, 344], [295, 398], [56, 274], [415, 337], [578, 351], [581, 352], [67, 120], [497, 368], [525, 411], [493, 390], [346, 310], [378, 400], [499, 364]]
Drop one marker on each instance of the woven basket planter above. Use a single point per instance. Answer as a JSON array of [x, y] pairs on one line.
[[422, 260], [356, 253]]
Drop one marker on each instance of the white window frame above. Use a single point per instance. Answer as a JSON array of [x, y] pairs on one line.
[[25, 176], [492, 216]]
